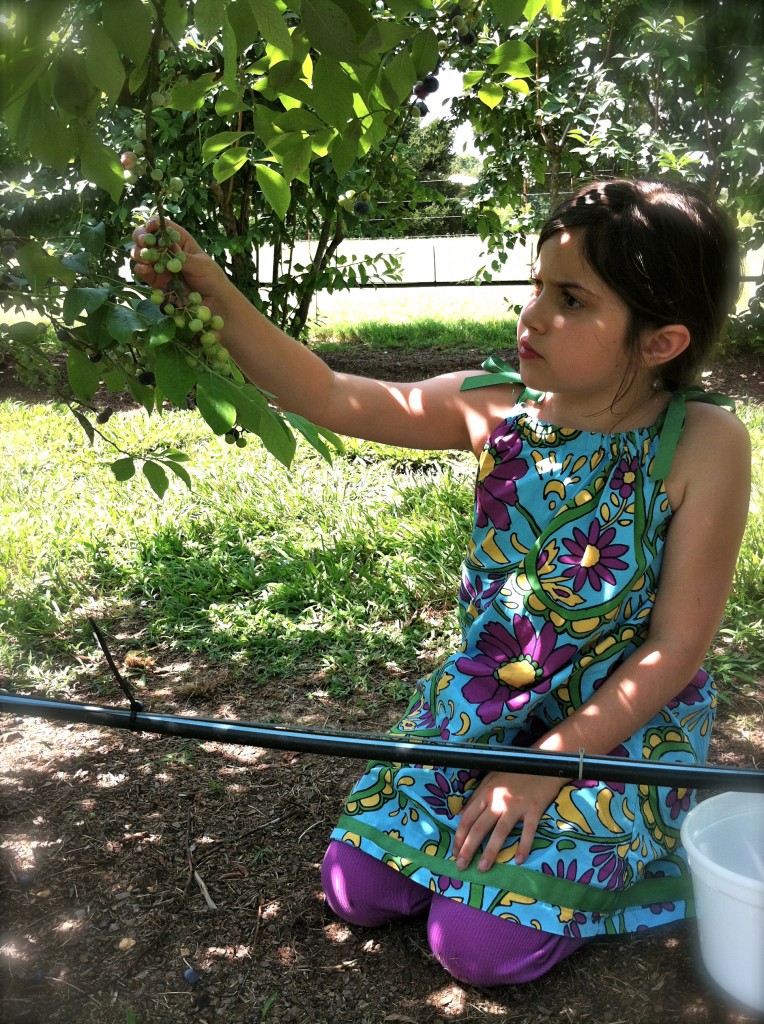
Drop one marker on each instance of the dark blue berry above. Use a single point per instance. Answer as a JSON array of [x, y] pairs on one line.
[[191, 976]]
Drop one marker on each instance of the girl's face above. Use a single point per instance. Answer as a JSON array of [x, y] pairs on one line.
[[571, 335]]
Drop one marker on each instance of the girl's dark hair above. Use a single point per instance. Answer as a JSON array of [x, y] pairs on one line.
[[668, 252]]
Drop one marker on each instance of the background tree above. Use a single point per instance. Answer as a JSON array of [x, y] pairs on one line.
[[253, 122], [623, 88]]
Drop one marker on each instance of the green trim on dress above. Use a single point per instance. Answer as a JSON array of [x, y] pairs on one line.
[[670, 424]]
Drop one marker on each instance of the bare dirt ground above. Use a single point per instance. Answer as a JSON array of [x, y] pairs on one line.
[[127, 858]]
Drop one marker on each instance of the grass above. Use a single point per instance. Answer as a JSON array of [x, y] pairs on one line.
[[311, 574], [487, 336]]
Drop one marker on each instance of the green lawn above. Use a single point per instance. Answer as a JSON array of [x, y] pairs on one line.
[[313, 571]]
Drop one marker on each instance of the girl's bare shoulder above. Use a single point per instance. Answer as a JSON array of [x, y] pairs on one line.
[[714, 453]]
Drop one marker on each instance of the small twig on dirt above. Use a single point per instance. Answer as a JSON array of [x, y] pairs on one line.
[[193, 873]]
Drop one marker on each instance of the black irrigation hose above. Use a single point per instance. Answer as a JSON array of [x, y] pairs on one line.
[[367, 746]]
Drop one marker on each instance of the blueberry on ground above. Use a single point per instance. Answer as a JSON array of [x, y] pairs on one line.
[[191, 976]]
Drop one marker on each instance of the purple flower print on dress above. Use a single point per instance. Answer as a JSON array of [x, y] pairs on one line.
[[610, 865], [570, 873], [693, 692], [447, 796], [624, 476], [511, 661], [445, 883], [678, 802], [592, 557], [481, 593], [496, 488]]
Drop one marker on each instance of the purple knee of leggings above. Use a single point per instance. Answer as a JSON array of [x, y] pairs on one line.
[[475, 947]]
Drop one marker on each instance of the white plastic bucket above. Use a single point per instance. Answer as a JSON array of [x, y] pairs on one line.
[[724, 840]]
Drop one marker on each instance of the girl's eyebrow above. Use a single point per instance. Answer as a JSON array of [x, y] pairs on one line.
[[565, 285]]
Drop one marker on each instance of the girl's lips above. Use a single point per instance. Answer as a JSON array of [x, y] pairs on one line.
[[525, 351]]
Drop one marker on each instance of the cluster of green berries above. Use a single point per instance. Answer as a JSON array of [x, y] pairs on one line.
[[199, 328], [157, 249], [134, 166]]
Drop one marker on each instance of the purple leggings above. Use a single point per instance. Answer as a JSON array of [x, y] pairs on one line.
[[474, 946]]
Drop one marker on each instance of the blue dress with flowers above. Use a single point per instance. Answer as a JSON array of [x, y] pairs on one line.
[[556, 591]]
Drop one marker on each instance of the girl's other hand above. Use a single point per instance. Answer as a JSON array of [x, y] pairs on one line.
[[500, 802], [200, 273]]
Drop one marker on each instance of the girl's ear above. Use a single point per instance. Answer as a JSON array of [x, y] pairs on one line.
[[663, 344]]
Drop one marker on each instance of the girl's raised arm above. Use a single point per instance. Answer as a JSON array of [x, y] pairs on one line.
[[426, 414]]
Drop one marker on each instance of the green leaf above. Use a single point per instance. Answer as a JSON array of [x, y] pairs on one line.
[[191, 95], [115, 379], [175, 18], [180, 471], [175, 376], [532, 8], [38, 266], [272, 25], [555, 9], [86, 425], [122, 322], [471, 78], [316, 436], [99, 164], [491, 95], [104, 65], [508, 13], [512, 58], [228, 163], [277, 437], [424, 52], [217, 143], [208, 17], [84, 376], [230, 55], [93, 238], [344, 149], [123, 469], [49, 139], [275, 189], [329, 29], [295, 152], [332, 92], [77, 299], [128, 24], [398, 78], [214, 401], [162, 332], [156, 477]]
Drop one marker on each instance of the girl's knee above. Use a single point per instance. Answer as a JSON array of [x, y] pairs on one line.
[[478, 948], [364, 891]]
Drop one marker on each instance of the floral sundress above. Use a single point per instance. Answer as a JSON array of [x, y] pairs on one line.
[[556, 591]]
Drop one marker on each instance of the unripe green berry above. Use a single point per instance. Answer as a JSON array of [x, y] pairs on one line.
[[157, 296], [157, 174], [195, 298], [241, 442], [195, 325], [204, 314], [180, 320], [169, 309], [149, 240], [217, 323], [208, 338], [230, 438], [176, 184], [160, 267], [174, 266]]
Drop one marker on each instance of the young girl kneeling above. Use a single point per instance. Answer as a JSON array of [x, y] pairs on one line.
[[611, 500]]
